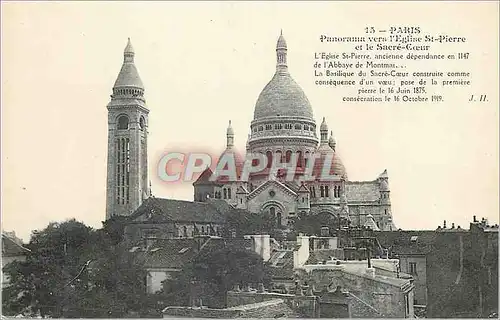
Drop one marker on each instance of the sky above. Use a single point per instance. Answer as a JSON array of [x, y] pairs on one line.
[[205, 63]]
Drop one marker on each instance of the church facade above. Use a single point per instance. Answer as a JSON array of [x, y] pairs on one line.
[[283, 130]]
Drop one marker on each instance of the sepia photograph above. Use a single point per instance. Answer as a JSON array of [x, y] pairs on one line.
[[239, 159]]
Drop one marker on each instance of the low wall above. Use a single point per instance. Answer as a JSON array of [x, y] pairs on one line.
[[265, 309]]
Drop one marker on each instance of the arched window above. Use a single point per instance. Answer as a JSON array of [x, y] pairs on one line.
[[326, 192], [299, 159], [279, 156], [288, 156], [225, 193], [306, 159], [278, 218], [269, 155], [142, 123], [322, 191], [185, 231], [123, 122], [272, 211], [229, 193]]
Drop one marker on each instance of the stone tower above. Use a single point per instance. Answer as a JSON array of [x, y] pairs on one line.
[[127, 178]]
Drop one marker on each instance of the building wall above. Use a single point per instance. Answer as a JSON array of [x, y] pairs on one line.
[[462, 275], [420, 277], [304, 305], [265, 309], [387, 300], [301, 255], [138, 177], [282, 199]]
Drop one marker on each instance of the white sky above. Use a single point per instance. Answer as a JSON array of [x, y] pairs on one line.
[[206, 63]]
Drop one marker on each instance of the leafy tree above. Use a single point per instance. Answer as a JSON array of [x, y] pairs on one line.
[[114, 227], [243, 223], [311, 224], [75, 271], [211, 274]]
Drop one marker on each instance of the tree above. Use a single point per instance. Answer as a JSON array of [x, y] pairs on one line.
[[114, 227], [211, 274], [75, 271], [247, 223], [311, 224]]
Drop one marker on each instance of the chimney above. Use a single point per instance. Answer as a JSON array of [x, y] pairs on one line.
[[262, 245], [475, 220], [261, 288]]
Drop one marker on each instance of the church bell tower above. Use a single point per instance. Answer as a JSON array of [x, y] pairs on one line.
[[127, 176]]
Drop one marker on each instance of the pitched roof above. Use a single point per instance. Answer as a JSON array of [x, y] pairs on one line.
[[204, 178], [176, 253], [281, 264], [317, 256], [276, 183], [407, 242], [158, 209], [11, 248], [362, 191], [170, 253]]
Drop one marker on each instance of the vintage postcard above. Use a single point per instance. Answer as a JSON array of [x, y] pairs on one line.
[[219, 159]]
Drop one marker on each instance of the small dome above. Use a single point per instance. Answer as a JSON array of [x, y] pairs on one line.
[[336, 167], [324, 126], [128, 76], [281, 42], [232, 153], [331, 140], [129, 48], [230, 130]]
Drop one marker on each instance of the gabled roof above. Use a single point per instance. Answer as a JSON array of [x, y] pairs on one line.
[[241, 190], [204, 178], [303, 188], [170, 253], [407, 242], [164, 210], [176, 253], [276, 183], [11, 248], [281, 264]]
